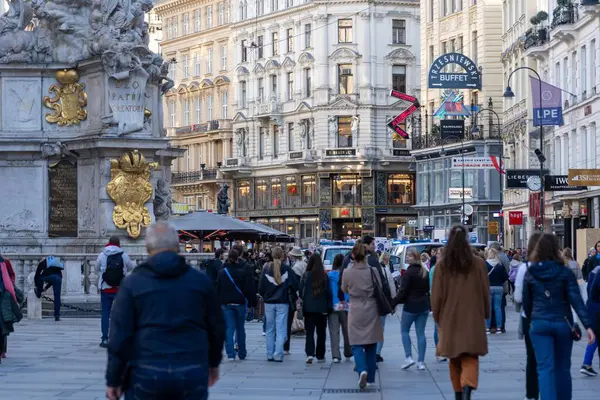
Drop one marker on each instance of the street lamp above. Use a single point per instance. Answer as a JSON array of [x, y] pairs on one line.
[[339, 177], [475, 130], [508, 93], [462, 153]]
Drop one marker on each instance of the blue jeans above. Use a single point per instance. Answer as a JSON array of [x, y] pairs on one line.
[[420, 320], [588, 358], [165, 381], [380, 344], [365, 359], [235, 319], [106, 300], [552, 344], [496, 293], [436, 337], [276, 317], [56, 282]]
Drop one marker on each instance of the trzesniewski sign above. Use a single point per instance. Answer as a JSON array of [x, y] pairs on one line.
[[469, 79]]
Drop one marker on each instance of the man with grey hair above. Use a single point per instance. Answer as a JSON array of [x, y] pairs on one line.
[[167, 328]]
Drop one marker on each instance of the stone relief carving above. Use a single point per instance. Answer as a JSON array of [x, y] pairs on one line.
[[162, 200], [69, 31], [23, 221]]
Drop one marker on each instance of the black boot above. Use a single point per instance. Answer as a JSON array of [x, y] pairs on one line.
[[466, 394], [457, 395]]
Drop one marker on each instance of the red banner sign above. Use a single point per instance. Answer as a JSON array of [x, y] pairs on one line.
[[515, 218], [396, 122]]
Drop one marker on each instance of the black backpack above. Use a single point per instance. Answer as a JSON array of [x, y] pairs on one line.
[[114, 270]]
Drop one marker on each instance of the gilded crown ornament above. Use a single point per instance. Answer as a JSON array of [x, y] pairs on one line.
[[130, 189], [69, 99]]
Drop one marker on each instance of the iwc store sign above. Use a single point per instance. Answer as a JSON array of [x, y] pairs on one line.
[[469, 79], [340, 152]]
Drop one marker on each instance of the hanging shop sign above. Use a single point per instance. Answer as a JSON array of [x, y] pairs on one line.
[[396, 123], [515, 217], [587, 177], [517, 178], [493, 227], [490, 162], [560, 183], [453, 128], [469, 79], [457, 193]]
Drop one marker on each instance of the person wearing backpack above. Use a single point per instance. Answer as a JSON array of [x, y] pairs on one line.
[[112, 263]]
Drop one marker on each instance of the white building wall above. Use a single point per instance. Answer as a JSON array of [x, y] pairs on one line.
[[371, 55]]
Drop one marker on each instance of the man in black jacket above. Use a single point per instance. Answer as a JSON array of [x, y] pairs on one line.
[[237, 292], [167, 329]]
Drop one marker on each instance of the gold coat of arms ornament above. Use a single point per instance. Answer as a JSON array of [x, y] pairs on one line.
[[130, 189], [69, 99]]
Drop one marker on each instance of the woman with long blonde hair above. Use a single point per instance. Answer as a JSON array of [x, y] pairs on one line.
[[414, 294], [276, 282]]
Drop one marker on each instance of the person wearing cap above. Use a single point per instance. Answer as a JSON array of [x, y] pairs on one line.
[[299, 267], [49, 271]]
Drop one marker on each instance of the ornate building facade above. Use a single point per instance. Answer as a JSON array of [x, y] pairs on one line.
[[199, 107], [518, 130], [565, 50], [312, 154]]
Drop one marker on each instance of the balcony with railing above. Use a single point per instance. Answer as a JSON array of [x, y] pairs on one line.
[[564, 15], [194, 176], [535, 37], [434, 139], [207, 127]]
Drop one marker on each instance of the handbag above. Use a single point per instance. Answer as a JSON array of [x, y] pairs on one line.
[[383, 305]]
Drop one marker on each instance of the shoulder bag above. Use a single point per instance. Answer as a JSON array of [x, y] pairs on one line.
[[383, 305], [236, 286]]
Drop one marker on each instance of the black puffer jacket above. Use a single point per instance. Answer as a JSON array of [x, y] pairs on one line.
[[414, 290], [549, 291], [228, 294]]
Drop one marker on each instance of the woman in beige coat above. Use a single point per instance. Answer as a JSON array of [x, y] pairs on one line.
[[365, 329], [460, 302]]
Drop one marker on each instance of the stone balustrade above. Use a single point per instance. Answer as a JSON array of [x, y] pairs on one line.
[[80, 276]]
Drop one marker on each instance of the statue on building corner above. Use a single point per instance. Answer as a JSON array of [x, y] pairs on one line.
[[223, 202], [302, 132], [354, 126], [333, 125]]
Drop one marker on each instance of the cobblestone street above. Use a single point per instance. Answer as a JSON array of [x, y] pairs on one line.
[[48, 360]]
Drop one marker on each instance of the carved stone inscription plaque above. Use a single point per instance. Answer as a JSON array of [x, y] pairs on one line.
[[62, 181], [126, 98]]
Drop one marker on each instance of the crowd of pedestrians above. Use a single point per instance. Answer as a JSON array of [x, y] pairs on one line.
[[156, 353]]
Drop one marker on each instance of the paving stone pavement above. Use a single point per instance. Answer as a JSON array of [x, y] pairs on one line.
[[62, 360]]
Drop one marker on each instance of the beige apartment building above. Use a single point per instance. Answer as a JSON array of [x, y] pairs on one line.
[[196, 40], [469, 27]]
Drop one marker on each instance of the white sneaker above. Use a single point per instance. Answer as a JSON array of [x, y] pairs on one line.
[[264, 334], [420, 366], [362, 380], [336, 360], [231, 359], [320, 360], [441, 359], [309, 360], [287, 353], [409, 362]]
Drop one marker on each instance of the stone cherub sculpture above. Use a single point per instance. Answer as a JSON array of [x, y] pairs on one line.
[[162, 200]]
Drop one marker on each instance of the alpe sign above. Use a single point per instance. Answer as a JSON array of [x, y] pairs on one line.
[[440, 79]]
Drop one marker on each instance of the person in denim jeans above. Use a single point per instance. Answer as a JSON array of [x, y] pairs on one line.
[[549, 291], [236, 290], [49, 271], [497, 276], [593, 307], [167, 330], [414, 294], [275, 283]]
